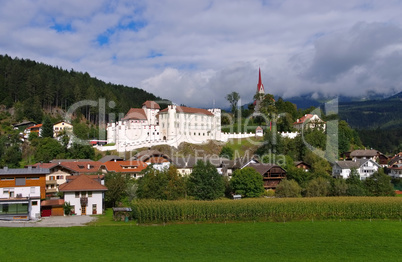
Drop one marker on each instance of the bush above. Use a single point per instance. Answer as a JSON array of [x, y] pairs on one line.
[[288, 188]]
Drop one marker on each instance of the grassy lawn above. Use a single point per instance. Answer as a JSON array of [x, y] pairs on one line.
[[293, 241]]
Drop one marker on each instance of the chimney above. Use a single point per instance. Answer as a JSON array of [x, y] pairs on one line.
[[30, 168], [89, 166], [5, 168]]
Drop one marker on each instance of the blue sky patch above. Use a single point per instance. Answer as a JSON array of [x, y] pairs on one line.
[[153, 54], [102, 40], [62, 27], [133, 25]]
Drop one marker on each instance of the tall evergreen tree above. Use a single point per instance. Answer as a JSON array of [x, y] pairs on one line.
[[47, 128]]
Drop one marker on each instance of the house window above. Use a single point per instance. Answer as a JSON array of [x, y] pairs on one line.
[[34, 203], [20, 181], [51, 177], [5, 191], [77, 194], [89, 193], [33, 178], [7, 178], [60, 177], [83, 194]]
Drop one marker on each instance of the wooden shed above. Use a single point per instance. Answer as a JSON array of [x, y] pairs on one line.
[[121, 213], [52, 207]]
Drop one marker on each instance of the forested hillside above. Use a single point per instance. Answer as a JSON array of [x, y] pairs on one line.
[[31, 87]]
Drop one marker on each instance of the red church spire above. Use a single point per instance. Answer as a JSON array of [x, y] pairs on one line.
[[260, 86]]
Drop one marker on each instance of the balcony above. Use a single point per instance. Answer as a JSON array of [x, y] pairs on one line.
[[51, 190], [51, 182]]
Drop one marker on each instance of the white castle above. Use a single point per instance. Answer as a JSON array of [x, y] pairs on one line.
[[149, 126]]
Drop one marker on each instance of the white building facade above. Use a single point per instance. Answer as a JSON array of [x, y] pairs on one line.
[[149, 126], [364, 167]]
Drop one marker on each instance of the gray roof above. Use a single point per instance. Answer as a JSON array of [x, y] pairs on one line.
[[349, 164], [110, 158], [146, 154], [364, 153], [24, 171], [263, 168]]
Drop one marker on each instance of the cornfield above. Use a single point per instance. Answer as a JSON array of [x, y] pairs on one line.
[[277, 209]]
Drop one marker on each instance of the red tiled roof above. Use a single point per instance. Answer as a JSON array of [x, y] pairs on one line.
[[130, 166], [303, 118], [35, 126], [52, 202], [151, 105], [136, 114], [190, 110], [90, 176], [82, 167], [82, 183]]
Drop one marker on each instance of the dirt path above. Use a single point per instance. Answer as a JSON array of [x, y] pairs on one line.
[[67, 221]]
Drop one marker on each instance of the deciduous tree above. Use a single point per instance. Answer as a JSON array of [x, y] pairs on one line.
[[247, 182], [205, 183]]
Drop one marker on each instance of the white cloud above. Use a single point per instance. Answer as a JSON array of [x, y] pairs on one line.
[[196, 52]]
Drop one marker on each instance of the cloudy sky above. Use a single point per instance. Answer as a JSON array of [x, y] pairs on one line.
[[195, 52]]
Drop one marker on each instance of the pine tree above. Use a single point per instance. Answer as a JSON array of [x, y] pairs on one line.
[[47, 128]]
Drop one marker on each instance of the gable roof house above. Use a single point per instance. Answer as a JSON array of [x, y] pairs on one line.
[[364, 167], [133, 168], [395, 171], [84, 194], [364, 154], [33, 129], [157, 159], [60, 169], [272, 174], [309, 121]]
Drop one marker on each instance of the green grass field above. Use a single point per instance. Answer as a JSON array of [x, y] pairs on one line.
[[378, 240]]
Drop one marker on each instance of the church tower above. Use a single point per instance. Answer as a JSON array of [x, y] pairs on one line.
[[260, 86], [259, 94]]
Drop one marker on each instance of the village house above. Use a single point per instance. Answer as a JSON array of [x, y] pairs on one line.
[[61, 168], [272, 174], [21, 191], [364, 154], [131, 168], [84, 194], [302, 165], [157, 159], [309, 121], [364, 167], [37, 129], [395, 171], [60, 127]]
